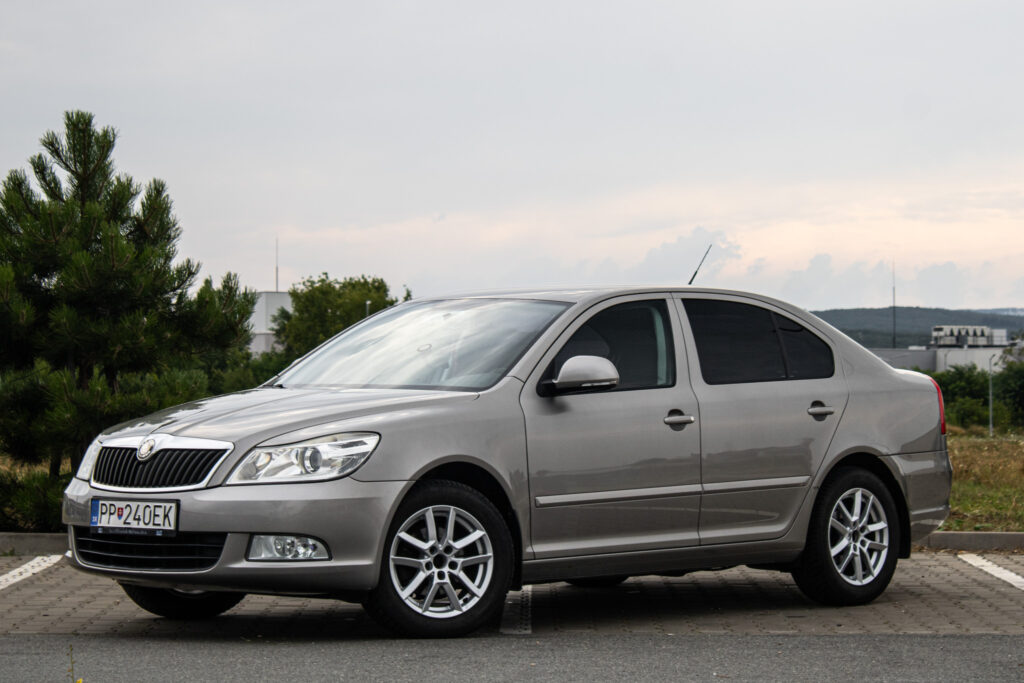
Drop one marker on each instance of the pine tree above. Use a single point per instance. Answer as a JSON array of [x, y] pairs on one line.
[[97, 324]]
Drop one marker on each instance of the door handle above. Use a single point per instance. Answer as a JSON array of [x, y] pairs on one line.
[[679, 420], [820, 410]]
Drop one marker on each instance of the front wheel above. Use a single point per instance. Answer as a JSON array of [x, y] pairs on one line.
[[852, 541], [447, 563], [180, 604]]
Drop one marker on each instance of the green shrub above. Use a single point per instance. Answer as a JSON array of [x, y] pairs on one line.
[[965, 412], [31, 501]]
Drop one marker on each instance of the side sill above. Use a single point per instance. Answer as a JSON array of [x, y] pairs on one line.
[[652, 562]]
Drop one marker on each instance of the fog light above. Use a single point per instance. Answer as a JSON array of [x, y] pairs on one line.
[[265, 547]]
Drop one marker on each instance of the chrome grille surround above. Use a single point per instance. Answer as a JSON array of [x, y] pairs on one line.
[[207, 454]]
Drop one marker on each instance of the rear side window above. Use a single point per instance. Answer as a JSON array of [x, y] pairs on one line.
[[742, 343], [636, 337]]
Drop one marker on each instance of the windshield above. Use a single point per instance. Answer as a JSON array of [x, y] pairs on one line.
[[464, 344]]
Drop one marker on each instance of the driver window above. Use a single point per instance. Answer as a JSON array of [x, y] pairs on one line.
[[636, 337]]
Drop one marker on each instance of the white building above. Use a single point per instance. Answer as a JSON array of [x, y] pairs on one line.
[[937, 360], [968, 335], [976, 345], [267, 304]]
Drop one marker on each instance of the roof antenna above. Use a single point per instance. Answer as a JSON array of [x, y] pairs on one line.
[[894, 302], [699, 265]]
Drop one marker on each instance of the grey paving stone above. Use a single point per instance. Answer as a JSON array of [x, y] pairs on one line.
[[932, 593]]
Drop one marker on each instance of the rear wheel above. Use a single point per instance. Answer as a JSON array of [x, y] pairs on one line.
[[181, 604], [447, 563], [852, 542]]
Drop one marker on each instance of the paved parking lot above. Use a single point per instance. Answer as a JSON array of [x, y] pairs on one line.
[[932, 593]]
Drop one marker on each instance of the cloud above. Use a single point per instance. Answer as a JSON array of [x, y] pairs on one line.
[[820, 247], [943, 282], [675, 261], [447, 147], [1017, 289], [822, 284]]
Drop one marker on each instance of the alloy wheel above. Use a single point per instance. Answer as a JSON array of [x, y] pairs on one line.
[[441, 561], [858, 536]]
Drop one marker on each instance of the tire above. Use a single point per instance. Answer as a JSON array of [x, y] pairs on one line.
[[852, 542], [597, 581], [430, 587], [175, 604]]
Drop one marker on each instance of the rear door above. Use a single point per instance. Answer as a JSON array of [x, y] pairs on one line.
[[771, 394]]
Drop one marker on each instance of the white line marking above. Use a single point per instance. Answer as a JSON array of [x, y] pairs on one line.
[[515, 619], [28, 569], [995, 570]]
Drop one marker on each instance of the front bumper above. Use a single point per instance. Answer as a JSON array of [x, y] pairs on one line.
[[348, 515]]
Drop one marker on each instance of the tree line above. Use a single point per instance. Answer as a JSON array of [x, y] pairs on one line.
[[965, 390]]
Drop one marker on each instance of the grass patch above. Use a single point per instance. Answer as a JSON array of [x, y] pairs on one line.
[[988, 483]]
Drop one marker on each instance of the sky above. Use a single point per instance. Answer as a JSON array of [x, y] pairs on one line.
[[452, 146]]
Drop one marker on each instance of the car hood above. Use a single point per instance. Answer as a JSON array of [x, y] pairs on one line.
[[258, 414]]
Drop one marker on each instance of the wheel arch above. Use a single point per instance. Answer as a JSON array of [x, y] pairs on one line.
[[877, 466], [483, 481]]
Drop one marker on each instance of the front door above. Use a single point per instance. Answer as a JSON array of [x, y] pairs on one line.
[[616, 470]]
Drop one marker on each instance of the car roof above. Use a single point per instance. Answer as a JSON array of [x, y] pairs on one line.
[[588, 294]]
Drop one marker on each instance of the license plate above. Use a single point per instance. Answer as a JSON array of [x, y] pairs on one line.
[[135, 516]]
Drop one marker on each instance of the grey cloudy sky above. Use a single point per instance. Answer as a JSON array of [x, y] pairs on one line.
[[467, 145]]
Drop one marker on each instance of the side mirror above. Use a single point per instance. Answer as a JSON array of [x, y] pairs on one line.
[[583, 373]]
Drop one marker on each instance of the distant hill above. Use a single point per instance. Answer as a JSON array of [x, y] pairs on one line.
[[1002, 311], [872, 327]]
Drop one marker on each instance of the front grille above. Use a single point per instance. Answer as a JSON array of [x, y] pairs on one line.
[[186, 551], [170, 467]]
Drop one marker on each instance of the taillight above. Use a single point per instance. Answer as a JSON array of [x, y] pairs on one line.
[[942, 405]]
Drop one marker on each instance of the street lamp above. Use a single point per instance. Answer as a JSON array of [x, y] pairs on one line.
[[990, 393]]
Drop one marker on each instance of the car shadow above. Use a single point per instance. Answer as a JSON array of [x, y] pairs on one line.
[[702, 600], [640, 599]]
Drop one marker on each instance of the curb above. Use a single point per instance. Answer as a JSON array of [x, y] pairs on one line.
[[33, 544], [974, 540], [51, 544]]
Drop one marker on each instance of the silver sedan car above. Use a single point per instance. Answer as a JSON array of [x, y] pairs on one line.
[[441, 452]]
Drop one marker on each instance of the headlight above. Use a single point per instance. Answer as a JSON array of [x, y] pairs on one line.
[[329, 457], [88, 460]]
